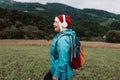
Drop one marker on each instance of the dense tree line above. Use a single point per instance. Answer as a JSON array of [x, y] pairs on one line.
[[19, 25], [16, 24]]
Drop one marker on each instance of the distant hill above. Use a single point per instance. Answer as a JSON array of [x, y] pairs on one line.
[[88, 22], [52, 9]]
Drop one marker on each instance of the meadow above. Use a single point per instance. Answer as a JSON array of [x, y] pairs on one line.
[[32, 62]]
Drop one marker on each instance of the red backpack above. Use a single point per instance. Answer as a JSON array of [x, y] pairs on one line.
[[77, 52]]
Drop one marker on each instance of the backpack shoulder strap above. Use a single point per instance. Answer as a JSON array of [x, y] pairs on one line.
[[56, 43], [71, 45]]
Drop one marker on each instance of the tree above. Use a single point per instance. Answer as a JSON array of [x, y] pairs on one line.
[[113, 36], [4, 23], [115, 25]]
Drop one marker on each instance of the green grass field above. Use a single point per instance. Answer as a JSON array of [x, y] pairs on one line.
[[32, 62]]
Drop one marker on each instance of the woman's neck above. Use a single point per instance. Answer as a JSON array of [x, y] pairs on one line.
[[63, 29]]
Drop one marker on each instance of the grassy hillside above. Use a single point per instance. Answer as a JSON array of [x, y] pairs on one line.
[[49, 10], [34, 20]]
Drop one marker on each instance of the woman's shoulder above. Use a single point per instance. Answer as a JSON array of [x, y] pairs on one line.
[[64, 39]]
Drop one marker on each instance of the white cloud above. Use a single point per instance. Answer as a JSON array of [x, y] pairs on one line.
[[108, 5]]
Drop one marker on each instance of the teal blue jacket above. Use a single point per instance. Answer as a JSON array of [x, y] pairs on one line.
[[60, 65]]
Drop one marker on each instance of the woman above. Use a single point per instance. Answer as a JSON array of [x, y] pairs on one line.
[[60, 67]]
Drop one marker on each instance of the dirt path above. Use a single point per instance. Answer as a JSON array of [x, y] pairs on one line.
[[47, 43], [24, 42], [100, 44]]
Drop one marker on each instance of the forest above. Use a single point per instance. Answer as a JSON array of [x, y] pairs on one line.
[[35, 21]]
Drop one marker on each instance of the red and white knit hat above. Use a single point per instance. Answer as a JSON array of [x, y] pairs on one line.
[[64, 21]]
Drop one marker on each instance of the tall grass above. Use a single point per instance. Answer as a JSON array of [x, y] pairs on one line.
[[32, 62]]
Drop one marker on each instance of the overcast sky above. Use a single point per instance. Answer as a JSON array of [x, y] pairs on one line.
[[108, 5]]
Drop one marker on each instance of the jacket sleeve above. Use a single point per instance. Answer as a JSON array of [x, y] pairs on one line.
[[64, 54]]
